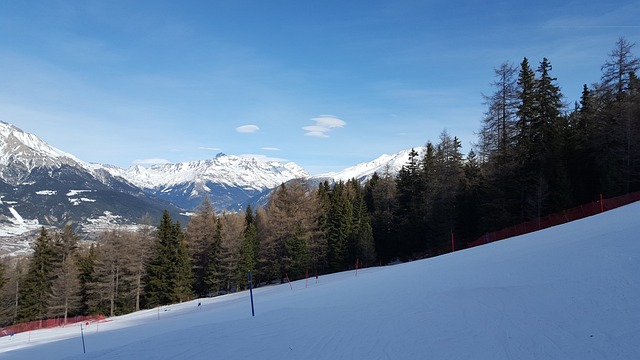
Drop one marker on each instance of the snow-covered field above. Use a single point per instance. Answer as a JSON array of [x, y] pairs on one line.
[[569, 292]]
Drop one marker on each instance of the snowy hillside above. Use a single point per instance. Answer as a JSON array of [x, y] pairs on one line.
[[569, 292], [385, 164]]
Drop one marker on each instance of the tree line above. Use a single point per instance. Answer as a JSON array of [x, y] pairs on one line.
[[535, 155]]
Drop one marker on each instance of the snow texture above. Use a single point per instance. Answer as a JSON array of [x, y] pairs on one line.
[[568, 292]]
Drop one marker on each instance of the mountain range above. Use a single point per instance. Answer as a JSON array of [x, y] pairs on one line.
[[44, 186]]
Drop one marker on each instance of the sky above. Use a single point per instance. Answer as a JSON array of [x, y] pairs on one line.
[[325, 84], [569, 292]]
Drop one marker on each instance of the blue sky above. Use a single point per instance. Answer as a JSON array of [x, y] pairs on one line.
[[326, 84]]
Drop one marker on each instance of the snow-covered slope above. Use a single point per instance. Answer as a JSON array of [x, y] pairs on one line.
[[569, 292], [383, 165]]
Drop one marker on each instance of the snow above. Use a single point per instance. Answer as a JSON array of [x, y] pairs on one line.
[[223, 169], [76, 192], [46, 192], [569, 292], [15, 143], [384, 164], [18, 219]]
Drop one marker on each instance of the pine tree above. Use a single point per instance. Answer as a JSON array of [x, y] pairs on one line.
[[248, 247], [35, 292], [381, 200], [411, 212], [86, 262], [213, 278], [168, 278]]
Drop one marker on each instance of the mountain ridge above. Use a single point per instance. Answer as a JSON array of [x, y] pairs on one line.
[[41, 185]]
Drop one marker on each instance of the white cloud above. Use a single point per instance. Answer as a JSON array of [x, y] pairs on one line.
[[270, 149], [152, 161], [209, 148], [323, 125], [319, 134], [247, 128]]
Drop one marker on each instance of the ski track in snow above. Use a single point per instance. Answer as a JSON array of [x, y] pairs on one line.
[[568, 292]]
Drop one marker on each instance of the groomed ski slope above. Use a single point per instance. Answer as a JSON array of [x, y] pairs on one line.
[[569, 292]]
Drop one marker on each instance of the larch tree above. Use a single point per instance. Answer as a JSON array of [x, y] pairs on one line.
[[65, 294], [201, 232]]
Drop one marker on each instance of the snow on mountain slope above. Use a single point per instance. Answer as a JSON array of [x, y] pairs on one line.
[[21, 152], [224, 169], [385, 164], [568, 292]]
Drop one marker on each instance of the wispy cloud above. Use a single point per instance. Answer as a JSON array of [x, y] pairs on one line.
[[270, 149], [209, 148], [323, 125], [247, 129]]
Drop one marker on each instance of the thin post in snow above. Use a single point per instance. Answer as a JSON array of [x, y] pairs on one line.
[[357, 261], [601, 204], [289, 281], [84, 351], [306, 279], [251, 294], [453, 244], [158, 311]]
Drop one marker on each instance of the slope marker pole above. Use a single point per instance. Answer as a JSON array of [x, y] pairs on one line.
[[84, 351], [251, 294]]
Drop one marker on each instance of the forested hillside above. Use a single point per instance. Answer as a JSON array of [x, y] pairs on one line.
[[535, 155]]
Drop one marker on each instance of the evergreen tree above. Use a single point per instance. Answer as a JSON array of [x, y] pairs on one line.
[[411, 212], [86, 263], [449, 173], [168, 278], [213, 278], [248, 248], [381, 200], [35, 292]]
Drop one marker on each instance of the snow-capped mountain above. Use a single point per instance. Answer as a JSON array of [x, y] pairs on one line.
[[41, 185], [228, 180], [383, 165], [21, 152]]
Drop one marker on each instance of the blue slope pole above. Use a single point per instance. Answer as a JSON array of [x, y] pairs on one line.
[[82, 334], [251, 294]]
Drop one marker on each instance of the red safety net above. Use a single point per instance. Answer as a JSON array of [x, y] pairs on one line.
[[48, 323], [575, 213]]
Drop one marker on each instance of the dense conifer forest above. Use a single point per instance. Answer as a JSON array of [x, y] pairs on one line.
[[535, 155]]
